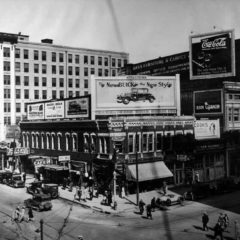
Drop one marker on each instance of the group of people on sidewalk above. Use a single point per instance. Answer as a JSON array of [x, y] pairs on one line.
[[19, 214], [221, 226]]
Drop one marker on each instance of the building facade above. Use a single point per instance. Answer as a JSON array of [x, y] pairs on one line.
[[31, 71], [209, 86]]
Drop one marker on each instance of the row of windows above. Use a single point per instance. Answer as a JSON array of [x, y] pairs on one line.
[[72, 83], [71, 70], [43, 94], [67, 142], [71, 58], [233, 114]]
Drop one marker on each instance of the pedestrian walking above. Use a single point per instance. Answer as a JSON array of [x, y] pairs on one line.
[[164, 187], [64, 183], [149, 211], [141, 206], [15, 215], [30, 214], [221, 220], [226, 221], [218, 231], [205, 220], [237, 230], [21, 216], [24, 177], [153, 204]]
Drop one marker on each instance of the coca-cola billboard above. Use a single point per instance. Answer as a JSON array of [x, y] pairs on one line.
[[212, 55]]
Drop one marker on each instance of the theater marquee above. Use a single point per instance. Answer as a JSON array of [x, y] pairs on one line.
[[212, 55]]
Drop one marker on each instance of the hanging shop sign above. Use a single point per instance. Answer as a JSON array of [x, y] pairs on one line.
[[207, 129], [64, 158], [212, 55], [18, 151], [135, 94], [208, 102]]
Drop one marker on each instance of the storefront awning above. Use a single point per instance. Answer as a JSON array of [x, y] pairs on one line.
[[149, 171], [55, 167]]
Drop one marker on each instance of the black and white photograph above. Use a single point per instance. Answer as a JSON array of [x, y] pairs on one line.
[[120, 120]]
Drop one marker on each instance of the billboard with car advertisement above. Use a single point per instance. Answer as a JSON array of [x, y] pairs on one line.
[[208, 102], [35, 111], [207, 129], [212, 55], [54, 110], [135, 93], [77, 108]]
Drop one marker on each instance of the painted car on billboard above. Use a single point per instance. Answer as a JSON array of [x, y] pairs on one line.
[[136, 94], [212, 55]]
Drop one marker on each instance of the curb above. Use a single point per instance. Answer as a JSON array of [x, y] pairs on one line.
[[95, 208]]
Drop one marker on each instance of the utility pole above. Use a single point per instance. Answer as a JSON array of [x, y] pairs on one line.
[[136, 159], [41, 229]]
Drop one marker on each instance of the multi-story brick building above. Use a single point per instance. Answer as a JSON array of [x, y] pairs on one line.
[[31, 71]]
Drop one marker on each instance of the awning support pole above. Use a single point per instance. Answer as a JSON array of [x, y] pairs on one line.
[[137, 182]]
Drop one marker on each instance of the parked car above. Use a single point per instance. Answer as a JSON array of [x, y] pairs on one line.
[[47, 188], [39, 202], [4, 175], [15, 180], [136, 94], [170, 199], [34, 187]]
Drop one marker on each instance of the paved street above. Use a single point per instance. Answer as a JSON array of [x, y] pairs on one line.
[[67, 220]]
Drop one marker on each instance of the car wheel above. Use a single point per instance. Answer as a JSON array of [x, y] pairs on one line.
[[126, 101], [54, 195], [168, 202], [151, 99]]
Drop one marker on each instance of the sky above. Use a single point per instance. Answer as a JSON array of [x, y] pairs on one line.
[[146, 29]]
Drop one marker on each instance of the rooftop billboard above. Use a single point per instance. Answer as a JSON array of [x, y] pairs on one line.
[[137, 93], [212, 55], [78, 107]]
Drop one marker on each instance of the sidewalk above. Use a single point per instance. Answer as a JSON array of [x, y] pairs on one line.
[[124, 205]]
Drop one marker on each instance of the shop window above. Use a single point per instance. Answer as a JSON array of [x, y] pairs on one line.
[[130, 143], [150, 142], [159, 141], [119, 146]]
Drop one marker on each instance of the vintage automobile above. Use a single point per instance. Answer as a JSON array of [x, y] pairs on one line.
[[15, 180], [39, 202], [170, 199], [4, 175], [136, 94], [48, 188]]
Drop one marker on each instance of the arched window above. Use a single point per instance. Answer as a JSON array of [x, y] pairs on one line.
[[48, 140], [53, 140], [86, 142], [59, 141], [24, 139], [67, 141], [93, 142], [42, 140], [37, 140], [74, 142], [28, 140], [33, 140]]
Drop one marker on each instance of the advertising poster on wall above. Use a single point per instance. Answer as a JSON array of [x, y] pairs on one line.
[[77, 108], [207, 129], [54, 110], [212, 55], [35, 111], [135, 93], [208, 102]]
